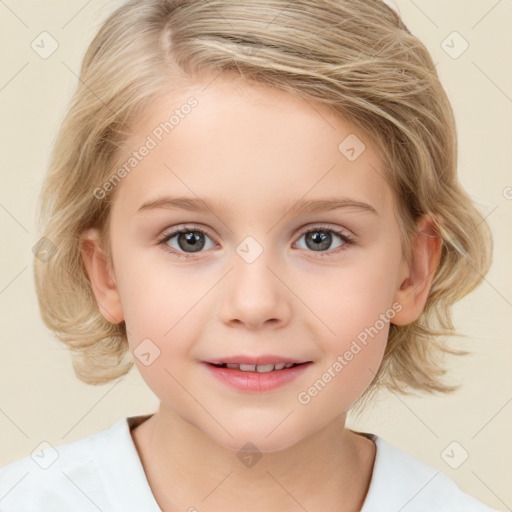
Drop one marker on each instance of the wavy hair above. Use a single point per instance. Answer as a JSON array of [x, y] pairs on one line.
[[356, 56]]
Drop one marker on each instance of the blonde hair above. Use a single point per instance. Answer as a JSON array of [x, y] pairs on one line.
[[356, 56]]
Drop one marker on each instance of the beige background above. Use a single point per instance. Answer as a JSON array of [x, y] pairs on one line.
[[41, 399]]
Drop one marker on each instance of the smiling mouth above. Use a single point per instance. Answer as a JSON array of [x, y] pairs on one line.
[[261, 368]]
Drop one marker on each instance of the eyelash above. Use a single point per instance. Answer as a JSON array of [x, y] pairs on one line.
[[348, 241]]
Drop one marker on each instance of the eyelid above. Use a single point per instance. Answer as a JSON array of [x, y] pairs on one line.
[[342, 232], [327, 227], [172, 232]]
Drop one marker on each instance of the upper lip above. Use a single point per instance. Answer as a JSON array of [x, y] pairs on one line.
[[256, 360]]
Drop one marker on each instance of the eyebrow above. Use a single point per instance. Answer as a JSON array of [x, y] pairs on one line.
[[300, 206]]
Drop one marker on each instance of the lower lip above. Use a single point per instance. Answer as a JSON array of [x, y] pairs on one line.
[[257, 381]]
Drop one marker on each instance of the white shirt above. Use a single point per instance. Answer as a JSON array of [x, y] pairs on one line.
[[103, 472]]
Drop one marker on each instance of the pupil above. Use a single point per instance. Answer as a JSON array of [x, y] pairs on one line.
[[320, 240], [193, 238]]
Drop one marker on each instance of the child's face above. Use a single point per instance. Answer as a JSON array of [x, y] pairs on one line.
[[254, 153]]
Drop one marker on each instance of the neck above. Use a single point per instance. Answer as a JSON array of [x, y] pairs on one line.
[[329, 470]]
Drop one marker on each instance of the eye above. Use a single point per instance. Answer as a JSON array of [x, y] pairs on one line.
[[189, 240], [320, 238]]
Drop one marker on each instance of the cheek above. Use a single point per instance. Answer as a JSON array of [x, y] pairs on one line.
[[163, 360], [154, 296], [355, 306], [352, 356], [343, 377], [347, 299], [158, 329], [160, 313]]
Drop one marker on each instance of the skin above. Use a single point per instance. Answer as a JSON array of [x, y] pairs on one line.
[[258, 150]]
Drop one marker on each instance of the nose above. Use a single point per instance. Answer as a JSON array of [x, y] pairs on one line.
[[255, 295]]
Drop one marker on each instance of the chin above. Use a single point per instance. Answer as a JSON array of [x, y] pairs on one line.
[[258, 440]]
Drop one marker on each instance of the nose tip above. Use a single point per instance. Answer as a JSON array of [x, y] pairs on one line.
[[255, 298]]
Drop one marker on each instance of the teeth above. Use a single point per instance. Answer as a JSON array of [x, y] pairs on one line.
[[261, 368], [248, 367]]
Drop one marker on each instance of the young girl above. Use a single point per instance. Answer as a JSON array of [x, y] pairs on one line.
[[256, 203]]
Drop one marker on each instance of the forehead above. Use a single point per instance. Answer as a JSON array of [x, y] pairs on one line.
[[244, 144]]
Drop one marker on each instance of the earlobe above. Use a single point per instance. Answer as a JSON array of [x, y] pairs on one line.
[[415, 277], [101, 276]]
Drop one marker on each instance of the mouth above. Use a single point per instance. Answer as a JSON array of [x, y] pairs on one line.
[[258, 368], [257, 378]]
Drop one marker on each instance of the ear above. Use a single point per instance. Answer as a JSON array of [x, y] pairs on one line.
[[415, 277], [101, 276]]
